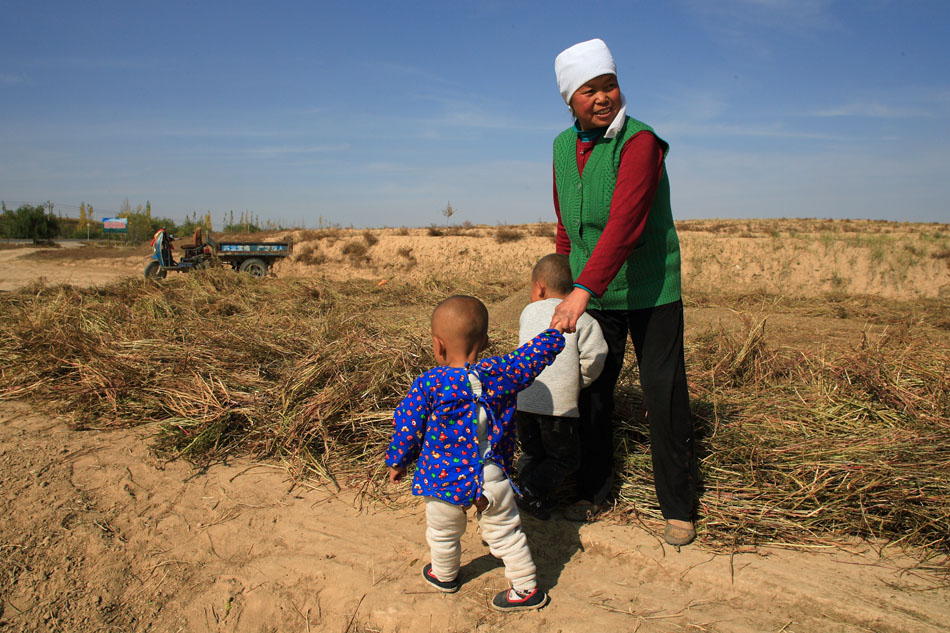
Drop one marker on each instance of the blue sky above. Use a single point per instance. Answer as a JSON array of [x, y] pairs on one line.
[[378, 113]]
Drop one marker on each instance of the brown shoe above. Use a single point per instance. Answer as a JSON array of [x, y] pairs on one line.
[[679, 532], [583, 511]]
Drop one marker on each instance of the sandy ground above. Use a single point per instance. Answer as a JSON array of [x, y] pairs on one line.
[[17, 269], [99, 536], [899, 264]]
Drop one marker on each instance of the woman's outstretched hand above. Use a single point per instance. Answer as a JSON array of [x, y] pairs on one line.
[[570, 310]]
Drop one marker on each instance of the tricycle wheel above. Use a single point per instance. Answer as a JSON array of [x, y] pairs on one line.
[[254, 267], [154, 270]]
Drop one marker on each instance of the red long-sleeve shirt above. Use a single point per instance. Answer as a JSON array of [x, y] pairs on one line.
[[641, 165]]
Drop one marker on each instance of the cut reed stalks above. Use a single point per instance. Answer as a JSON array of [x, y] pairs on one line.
[[799, 448], [796, 447]]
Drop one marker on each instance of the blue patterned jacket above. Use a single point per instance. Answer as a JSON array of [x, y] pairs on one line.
[[437, 421]]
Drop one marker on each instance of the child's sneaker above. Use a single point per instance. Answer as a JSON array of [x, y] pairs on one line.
[[447, 586], [512, 600]]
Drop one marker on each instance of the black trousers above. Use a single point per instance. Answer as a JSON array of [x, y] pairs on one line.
[[550, 452], [657, 335]]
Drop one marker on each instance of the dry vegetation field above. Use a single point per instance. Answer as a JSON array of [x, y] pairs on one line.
[[206, 452]]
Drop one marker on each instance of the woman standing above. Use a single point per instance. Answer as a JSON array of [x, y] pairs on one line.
[[612, 199]]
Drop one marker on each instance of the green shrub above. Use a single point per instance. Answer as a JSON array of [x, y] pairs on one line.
[[34, 223]]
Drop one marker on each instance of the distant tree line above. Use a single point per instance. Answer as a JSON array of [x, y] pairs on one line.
[[39, 223], [248, 222], [29, 222]]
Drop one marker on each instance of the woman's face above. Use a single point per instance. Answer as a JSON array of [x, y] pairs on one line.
[[597, 102]]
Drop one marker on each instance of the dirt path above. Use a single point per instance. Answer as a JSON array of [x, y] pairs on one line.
[[97, 535], [17, 270]]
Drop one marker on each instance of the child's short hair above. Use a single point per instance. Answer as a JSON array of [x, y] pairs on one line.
[[555, 271], [463, 318]]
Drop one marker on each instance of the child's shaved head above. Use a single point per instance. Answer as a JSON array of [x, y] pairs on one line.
[[555, 272], [461, 322]]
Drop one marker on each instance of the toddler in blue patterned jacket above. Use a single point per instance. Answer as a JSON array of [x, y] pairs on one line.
[[458, 421]]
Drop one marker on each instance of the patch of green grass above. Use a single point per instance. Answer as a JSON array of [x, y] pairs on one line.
[[879, 245]]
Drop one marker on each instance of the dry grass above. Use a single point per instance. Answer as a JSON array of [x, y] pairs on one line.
[[330, 233], [288, 369], [405, 253], [798, 446], [10, 246], [506, 234], [310, 254], [86, 252], [356, 251], [804, 448]]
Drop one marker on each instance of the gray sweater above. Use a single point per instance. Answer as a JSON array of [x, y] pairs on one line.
[[555, 391]]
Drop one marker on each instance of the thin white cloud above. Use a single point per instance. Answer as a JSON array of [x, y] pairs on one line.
[[910, 103], [779, 14], [750, 24], [95, 63], [12, 79], [687, 129], [473, 113], [392, 168], [779, 184], [872, 110], [415, 73], [285, 150]]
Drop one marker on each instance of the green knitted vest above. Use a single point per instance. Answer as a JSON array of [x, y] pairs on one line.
[[651, 275]]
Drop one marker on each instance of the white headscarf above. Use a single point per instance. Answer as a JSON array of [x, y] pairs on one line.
[[579, 64]]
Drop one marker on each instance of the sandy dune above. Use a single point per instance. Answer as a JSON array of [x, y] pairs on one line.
[[99, 535]]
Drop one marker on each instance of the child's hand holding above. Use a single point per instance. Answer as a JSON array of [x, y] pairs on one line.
[[395, 474]]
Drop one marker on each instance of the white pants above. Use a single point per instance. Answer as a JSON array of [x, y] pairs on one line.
[[501, 529]]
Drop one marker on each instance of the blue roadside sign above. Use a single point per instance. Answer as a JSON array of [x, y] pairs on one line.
[[115, 225]]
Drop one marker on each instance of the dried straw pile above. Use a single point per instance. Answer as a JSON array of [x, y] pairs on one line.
[[797, 448], [218, 362]]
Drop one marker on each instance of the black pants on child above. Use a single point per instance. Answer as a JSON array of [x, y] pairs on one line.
[[657, 335], [550, 452]]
